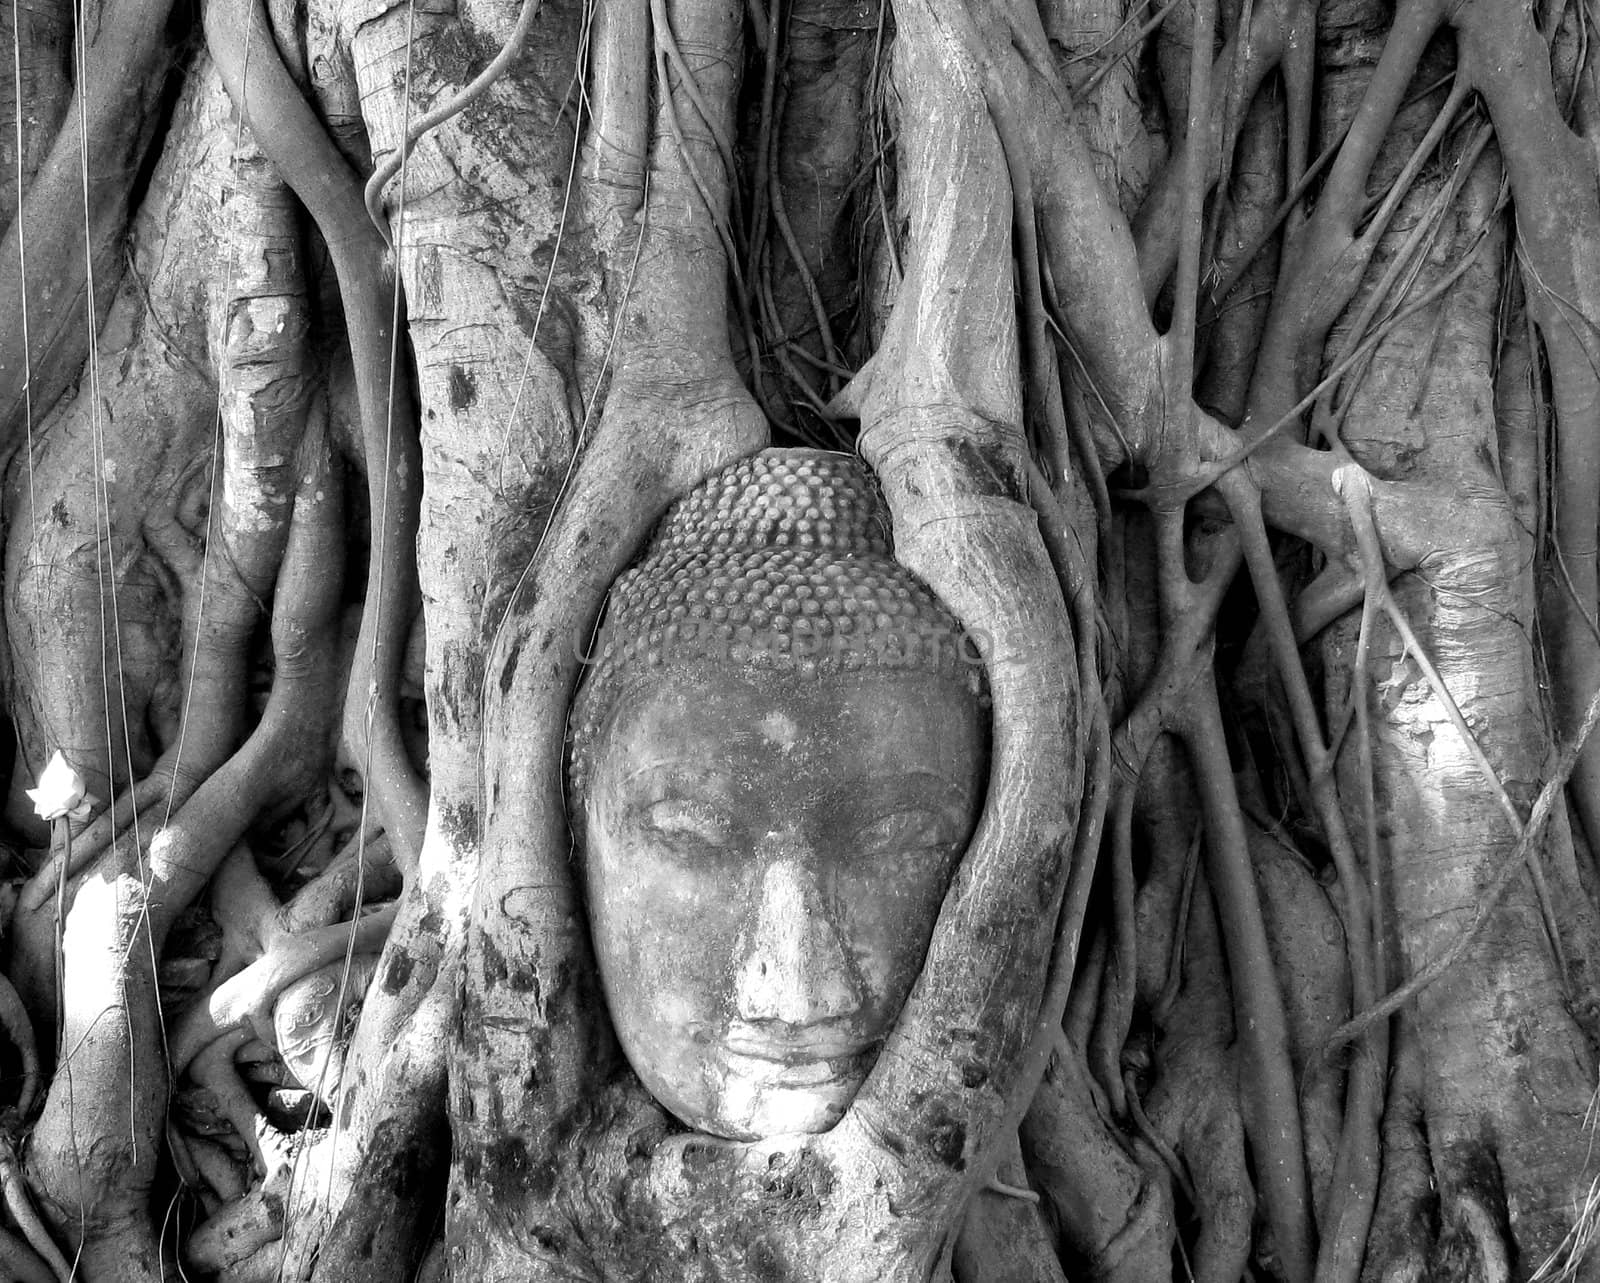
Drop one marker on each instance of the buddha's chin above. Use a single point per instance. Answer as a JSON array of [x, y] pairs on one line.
[[759, 1098], [743, 1097]]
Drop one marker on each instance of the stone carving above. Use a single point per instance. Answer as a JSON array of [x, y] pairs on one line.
[[313, 1027], [778, 758]]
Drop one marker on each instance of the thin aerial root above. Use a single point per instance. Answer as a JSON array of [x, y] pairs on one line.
[[1299, 70], [1452, 710], [1173, 984], [1444, 120], [773, 104], [1504, 874], [21, 1208], [770, 35], [1271, 1106], [1408, 259], [1086, 93], [1180, 337], [1282, 217], [1150, 1136], [1352, 484], [1119, 979], [1358, 1153], [14, 1020], [1042, 371], [25, 1265], [61, 836], [819, 313], [995, 1185], [1414, 25], [1094, 51], [429, 120], [213, 1068], [667, 44]]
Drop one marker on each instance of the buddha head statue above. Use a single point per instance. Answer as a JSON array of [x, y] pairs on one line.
[[779, 754]]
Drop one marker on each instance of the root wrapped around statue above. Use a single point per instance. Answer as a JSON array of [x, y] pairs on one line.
[[779, 756]]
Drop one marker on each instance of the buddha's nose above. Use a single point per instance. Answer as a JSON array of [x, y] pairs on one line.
[[794, 967]]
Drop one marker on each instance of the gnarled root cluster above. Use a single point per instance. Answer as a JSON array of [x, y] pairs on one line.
[[1206, 375]]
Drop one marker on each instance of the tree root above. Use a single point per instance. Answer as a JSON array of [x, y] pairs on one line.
[[1110, 1213], [1399, 1247], [212, 1068], [21, 1208], [96, 1163], [1276, 28], [103, 134], [1308, 950], [1268, 1086], [245, 1001], [297, 145], [1197, 1109], [25, 1264], [1003, 1238], [14, 1021], [244, 1232], [393, 1210], [372, 194], [675, 412], [383, 1207]]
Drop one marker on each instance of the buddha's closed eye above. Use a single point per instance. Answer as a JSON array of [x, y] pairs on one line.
[[689, 824], [910, 829]]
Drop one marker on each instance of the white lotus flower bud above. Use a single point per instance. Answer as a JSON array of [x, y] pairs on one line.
[[61, 792]]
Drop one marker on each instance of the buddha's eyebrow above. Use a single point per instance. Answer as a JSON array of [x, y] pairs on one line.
[[678, 773]]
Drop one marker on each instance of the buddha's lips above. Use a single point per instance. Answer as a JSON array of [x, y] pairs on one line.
[[839, 1057]]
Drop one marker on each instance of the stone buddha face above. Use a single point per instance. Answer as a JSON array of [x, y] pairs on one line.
[[765, 864], [778, 763]]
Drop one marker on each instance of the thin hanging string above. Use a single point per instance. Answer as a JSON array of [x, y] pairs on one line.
[[22, 267], [382, 523], [110, 630], [107, 584], [80, 68], [34, 559], [579, 62], [33, 504], [212, 524], [212, 521], [103, 551]]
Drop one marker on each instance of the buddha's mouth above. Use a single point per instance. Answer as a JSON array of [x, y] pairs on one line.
[[799, 1060]]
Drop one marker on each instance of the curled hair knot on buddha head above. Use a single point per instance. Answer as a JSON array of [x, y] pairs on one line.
[[781, 563]]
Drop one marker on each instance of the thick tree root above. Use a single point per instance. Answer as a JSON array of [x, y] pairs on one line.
[[299, 147], [1004, 1239], [1114, 1216]]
